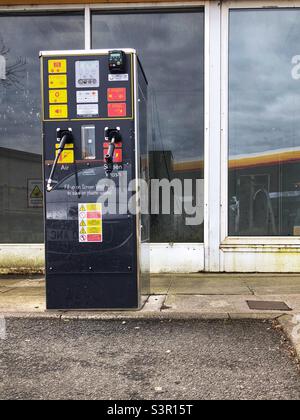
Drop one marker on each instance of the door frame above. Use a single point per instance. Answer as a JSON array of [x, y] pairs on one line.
[[248, 254]]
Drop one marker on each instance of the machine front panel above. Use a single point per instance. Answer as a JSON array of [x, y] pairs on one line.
[[84, 240]]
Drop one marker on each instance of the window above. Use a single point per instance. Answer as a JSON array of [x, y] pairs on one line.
[[22, 36], [171, 48], [264, 124]]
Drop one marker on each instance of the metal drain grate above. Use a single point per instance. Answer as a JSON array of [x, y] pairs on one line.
[[259, 305]]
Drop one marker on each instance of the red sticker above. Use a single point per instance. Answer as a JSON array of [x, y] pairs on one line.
[[94, 238], [93, 215], [116, 94], [118, 155], [117, 110]]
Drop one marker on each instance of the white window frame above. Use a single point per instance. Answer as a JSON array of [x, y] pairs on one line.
[[165, 257], [235, 244]]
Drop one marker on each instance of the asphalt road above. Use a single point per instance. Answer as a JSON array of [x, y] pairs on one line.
[[145, 360]]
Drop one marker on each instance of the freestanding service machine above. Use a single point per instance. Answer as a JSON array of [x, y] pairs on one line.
[[95, 158]]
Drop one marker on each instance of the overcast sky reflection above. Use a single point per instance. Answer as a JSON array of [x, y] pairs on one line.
[[264, 98]]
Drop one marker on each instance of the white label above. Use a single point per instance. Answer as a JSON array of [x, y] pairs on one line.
[[87, 96], [87, 110], [118, 77], [87, 74]]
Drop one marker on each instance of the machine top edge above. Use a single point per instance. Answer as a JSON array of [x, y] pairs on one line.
[[84, 52]]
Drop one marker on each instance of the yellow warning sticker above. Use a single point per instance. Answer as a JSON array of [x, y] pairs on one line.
[[90, 223], [57, 66], [58, 111], [67, 156], [94, 222], [93, 207], [58, 96], [94, 230], [36, 193], [58, 81]]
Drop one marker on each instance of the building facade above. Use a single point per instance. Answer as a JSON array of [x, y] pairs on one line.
[[224, 102]]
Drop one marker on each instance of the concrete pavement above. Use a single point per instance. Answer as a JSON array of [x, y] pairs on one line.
[[213, 295]]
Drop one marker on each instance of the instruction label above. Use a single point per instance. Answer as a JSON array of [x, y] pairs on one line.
[[87, 96], [118, 77], [87, 110], [90, 222]]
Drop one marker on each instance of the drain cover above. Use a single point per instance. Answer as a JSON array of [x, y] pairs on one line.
[[260, 305]]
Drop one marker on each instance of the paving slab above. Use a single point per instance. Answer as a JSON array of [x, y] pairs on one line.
[[23, 299], [220, 304], [276, 290], [160, 285], [205, 304], [22, 283], [211, 286], [154, 303]]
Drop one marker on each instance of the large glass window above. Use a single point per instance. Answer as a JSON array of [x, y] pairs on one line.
[[264, 123], [21, 39], [171, 49]]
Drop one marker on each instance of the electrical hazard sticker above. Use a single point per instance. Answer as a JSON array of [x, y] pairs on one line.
[[90, 222]]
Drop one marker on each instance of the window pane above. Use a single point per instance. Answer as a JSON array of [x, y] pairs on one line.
[[171, 49], [264, 123], [22, 37]]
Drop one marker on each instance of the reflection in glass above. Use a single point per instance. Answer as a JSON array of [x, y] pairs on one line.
[[264, 123], [22, 37], [171, 49]]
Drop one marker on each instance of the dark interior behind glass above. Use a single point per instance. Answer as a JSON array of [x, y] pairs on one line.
[[171, 48], [22, 37]]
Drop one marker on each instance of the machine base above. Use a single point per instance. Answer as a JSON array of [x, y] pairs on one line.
[[92, 291]]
